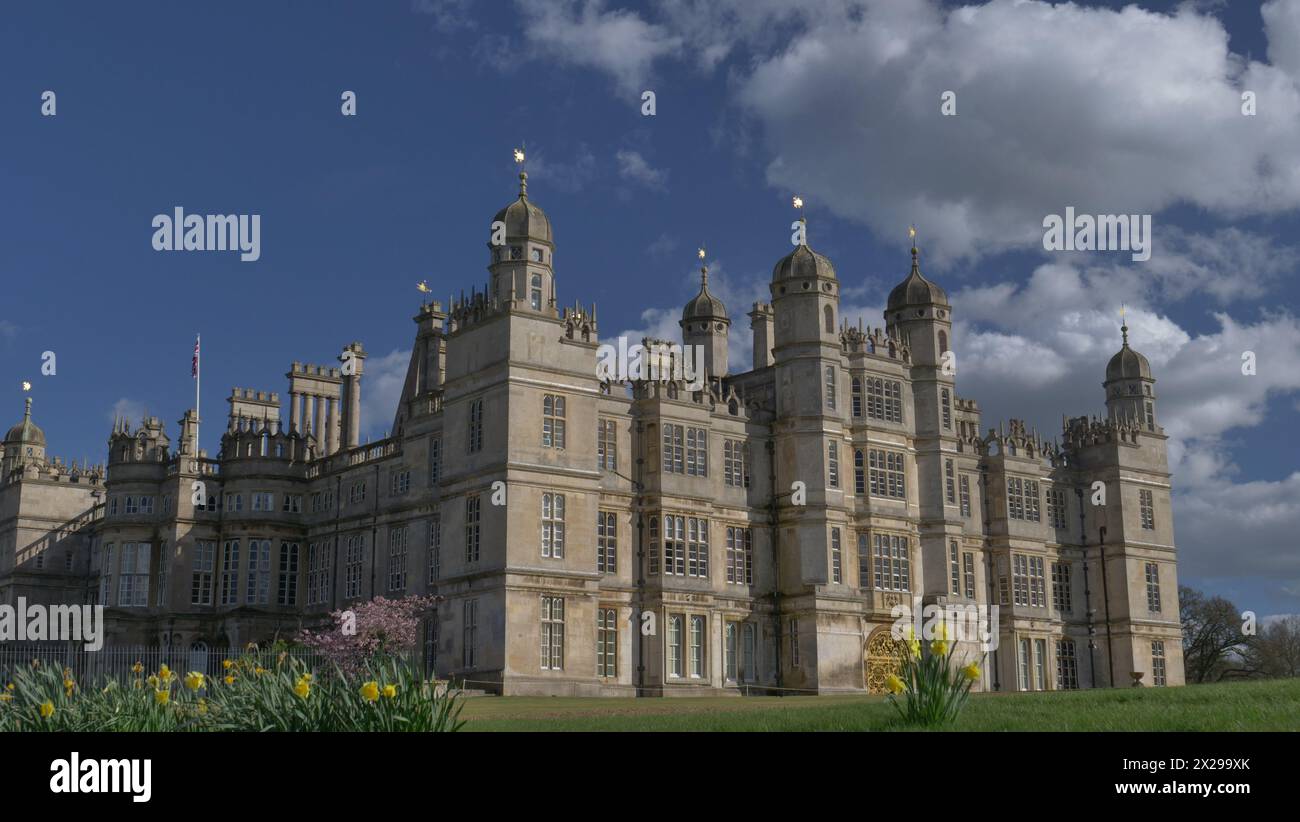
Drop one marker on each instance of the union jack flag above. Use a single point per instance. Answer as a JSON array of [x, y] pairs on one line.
[[194, 366]]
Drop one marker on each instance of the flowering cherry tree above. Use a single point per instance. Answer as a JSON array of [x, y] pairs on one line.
[[383, 627]]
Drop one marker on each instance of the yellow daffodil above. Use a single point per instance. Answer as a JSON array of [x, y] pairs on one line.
[[230, 680], [194, 680], [370, 691], [913, 644], [139, 683], [162, 697], [67, 673], [203, 706], [164, 673], [9, 687], [47, 710], [390, 691], [894, 684], [307, 678], [6, 697], [227, 664], [302, 688], [940, 644], [259, 670], [153, 680], [971, 672], [137, 668], [68, 684]]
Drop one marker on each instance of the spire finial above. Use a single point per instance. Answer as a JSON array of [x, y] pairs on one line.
[[911, 236], [704, 270], [1123, 329], [27, 413], [523, 172]]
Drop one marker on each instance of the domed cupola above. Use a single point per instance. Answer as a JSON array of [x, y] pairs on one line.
[[1130, 388], [705, 324], [802, 264], [915, 290], [704, 306], [1127, 364], [26, 433], [521, 244], [524, 219], [918, 312], [23, 443]]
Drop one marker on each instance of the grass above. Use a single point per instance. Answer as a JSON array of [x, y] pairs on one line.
[[1272, 705]]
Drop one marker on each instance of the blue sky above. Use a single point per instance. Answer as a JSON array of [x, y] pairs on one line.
[[234, 108]]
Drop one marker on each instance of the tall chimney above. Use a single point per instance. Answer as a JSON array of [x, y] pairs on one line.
[[763, 321], [353, 359]]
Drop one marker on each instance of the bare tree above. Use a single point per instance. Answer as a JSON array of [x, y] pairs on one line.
[[1212, 640], [1275, 651]]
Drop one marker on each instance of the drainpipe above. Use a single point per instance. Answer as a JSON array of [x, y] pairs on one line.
[[1105, 595], [1087, 594], [776, 555], [988, 566], [639, 487], [374, 532], [334, 566]]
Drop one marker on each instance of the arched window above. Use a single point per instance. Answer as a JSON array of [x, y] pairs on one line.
[[943, 342], [829, 313], [945, 399], [535, 292]]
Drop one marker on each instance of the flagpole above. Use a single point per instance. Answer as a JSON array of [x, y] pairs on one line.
[[198, 367]]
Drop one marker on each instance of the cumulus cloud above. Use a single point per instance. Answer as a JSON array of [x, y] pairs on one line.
[[381, 390], [1048, 113], [633, 167], [585, 33]]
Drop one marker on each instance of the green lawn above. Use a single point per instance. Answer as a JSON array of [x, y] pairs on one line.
[[1238, 706]]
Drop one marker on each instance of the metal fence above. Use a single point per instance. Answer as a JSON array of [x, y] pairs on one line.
[[116, 662]]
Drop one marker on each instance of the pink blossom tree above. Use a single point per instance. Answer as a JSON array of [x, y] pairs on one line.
[[383, 627]]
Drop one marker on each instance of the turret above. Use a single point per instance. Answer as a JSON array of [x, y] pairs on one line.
[[705, 323]]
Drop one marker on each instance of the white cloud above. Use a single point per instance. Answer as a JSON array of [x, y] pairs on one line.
[[1049, 114], [632, 166], [585, 34], [381, 389], [131, 410], [448, 15], [662, 246], [563, 175]]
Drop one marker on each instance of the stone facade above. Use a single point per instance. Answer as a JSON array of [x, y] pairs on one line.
[[588, 537]]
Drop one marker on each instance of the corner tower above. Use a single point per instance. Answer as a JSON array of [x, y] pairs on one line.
[[810, 456]]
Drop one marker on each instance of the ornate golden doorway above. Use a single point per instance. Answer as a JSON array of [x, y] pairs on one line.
[[884, 656]]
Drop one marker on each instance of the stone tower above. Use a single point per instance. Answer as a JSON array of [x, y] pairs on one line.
[[1130, 395], [521, 266], [810, 448], [705, 323], [918, 312]]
